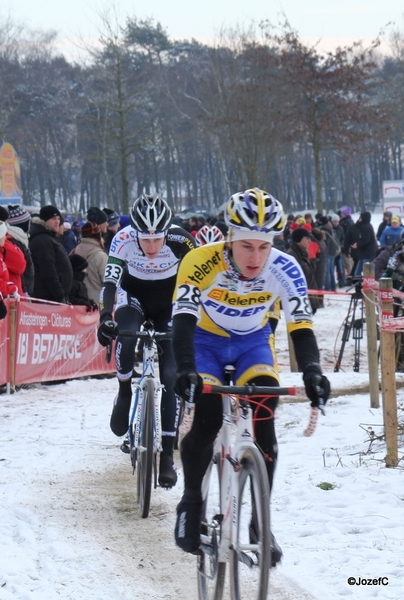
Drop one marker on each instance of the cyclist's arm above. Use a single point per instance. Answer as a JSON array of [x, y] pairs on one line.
[[183, 341], [112, 277], [305, 346]]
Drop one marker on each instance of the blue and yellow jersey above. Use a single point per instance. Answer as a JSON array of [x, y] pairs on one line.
[[225, 303]]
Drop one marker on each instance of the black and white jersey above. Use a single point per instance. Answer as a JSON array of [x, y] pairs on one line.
[[130, 270]]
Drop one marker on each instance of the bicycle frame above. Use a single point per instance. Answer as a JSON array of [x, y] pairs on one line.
[[149, 350], [230, 454]]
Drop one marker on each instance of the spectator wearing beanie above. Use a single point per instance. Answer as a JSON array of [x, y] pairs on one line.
[[113, 226], [79, 293], [98, 216], [12, 255], [299, 244], [91, 247], [53, 271], [18, 225], [392, 234], [6, 287]]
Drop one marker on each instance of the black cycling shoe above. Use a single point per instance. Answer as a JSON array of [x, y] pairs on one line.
[[125, 446], [276, 550], [119, 422], [167, 472], [188, 524]]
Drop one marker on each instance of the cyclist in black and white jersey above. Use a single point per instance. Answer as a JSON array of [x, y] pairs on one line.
[[140, 275]]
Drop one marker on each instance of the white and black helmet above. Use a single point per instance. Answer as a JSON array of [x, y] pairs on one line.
[[208, 235], [255, 210], [151, 214]]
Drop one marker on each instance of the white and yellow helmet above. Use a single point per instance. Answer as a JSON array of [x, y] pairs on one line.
[[255, 211]]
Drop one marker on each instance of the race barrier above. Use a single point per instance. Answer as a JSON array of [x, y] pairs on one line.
[[46, 341]]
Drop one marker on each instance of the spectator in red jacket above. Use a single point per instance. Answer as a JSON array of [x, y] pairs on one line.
[[7, 287], [14, 259]]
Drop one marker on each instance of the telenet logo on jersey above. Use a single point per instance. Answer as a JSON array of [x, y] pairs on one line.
[[236, 300]]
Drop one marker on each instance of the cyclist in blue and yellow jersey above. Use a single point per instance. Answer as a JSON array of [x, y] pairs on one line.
[[140, 273], [221, 316]]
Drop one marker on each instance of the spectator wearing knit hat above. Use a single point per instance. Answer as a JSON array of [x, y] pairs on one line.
[[79, 293], [6, 287], [98, 216], [113, 226], [12, 255], [91, 247], [18, 224], [53, 271]]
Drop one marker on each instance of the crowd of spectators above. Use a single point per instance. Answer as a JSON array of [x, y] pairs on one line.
[[47, 257], [50, 258]]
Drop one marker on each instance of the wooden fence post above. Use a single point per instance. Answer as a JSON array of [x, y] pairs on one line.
[[371, 333], [388, 369], [13, 327]]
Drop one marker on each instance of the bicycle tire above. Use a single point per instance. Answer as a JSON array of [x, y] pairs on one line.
[[249, 568], [145, 455], [210, 572]]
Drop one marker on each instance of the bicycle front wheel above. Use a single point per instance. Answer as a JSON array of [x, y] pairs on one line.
[[211, 572], [146, 450], [250, 558]]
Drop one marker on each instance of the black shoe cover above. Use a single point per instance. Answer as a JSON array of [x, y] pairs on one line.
[[167, 472], [188, 524]]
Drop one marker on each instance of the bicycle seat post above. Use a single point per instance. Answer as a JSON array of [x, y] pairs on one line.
[[228, 374]]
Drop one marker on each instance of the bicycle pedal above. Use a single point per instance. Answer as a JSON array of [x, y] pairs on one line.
[[125, 447]]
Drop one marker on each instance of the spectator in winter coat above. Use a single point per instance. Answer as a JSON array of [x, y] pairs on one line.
[[193, 225], [320, 263], [288, 229], [18, 224], [12, 255], [339, 263], [386, 221], [91, 247], [7, 288], [300, 240], [53, 271], [346, 222], [68, 239], [350, 246], [98, 216], [332, 250], [392, 234], [79, 293], [113, 226], [367, 244]]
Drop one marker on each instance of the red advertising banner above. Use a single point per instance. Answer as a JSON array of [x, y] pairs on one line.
[[57, 341]]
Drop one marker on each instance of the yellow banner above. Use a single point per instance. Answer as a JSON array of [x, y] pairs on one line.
[[10, 173]]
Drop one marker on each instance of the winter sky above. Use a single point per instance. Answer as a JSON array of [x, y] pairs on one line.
[[334, 23]]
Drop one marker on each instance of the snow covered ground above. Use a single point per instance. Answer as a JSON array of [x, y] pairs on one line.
[[70, 529]]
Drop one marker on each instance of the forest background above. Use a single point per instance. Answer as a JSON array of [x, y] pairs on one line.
[[257, 107]]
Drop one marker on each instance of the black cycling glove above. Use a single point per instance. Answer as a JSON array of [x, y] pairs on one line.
[[316, 384], [188, 380], [107, 330]]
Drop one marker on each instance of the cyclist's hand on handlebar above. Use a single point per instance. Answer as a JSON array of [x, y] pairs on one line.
[[317, 385], [107, 331], [189, 385]]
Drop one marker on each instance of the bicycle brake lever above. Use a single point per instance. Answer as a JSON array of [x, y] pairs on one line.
[[321, 402]]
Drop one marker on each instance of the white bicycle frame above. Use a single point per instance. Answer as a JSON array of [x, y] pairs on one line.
[[149, 353], [231, 453]]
